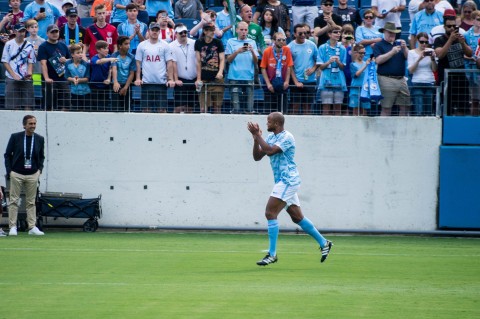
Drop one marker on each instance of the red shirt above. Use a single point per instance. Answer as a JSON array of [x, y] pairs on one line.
[[15, 19], [108, 33]]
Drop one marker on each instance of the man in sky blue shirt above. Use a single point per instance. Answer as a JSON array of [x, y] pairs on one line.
[[45, 14], [305, 62], [425, 21], [242, 54], [280, 147]]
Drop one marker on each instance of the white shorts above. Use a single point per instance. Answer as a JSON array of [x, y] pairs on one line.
[[287, 193]]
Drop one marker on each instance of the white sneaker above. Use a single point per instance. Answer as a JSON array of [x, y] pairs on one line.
[[36, 231], [13, 231], [2, 233]]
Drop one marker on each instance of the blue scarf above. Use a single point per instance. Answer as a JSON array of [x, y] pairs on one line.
[[67, 34], [370, 88]]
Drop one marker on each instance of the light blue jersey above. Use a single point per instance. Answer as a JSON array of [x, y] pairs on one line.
[[153, 6], [283, 164], [223, 21], [424, 22], [471, 38], [124, 66], [332, 76], [364, 33], [305, 56], [119, 15], [81, 71], [127, 29], [52, 14], [242, 67]]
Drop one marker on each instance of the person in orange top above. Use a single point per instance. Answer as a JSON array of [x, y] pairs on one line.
[[276, 67]]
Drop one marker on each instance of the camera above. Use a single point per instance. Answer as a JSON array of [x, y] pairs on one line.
[[10, 11], [457, 28], [42, 10], [428, 53], [245, 45], [398, 42]]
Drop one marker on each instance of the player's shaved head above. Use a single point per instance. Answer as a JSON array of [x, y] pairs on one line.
[[278, 118]]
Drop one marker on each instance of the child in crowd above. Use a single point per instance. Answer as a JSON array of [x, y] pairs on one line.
[[142, 11], [332, 84], [64, 19], [35, 40], [101, 74], [13, 17], [123, 72], [358, 70], [77, 72], [133, 28]]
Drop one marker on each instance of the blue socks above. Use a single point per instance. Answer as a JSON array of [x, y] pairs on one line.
[[273, 230], [310, 229]]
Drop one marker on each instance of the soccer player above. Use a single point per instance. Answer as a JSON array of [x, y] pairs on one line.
[[280, 147]]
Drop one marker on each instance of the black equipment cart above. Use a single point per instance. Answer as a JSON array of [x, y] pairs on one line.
[[68, 205]]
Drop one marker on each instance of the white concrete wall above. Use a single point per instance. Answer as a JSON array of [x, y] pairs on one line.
[[358, 173]]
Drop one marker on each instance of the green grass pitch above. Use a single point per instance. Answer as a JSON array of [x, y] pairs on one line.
[[68, 274]]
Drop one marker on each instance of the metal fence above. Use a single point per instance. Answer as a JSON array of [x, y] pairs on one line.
[[227, 98]]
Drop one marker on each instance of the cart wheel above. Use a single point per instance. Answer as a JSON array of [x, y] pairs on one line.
[[89, 226], [40, 223]]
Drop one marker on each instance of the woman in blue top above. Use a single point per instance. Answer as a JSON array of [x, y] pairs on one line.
[[358, 70], [332, 86], [368, 34]]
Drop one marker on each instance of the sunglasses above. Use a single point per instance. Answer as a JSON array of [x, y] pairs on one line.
[[450, 26], [336, 32], [423, 42], [328, 4], [429, 0], [301, 33], [363, 52], [183, 32], [464, 11], [54, 31], [368, 17], [283, 40]]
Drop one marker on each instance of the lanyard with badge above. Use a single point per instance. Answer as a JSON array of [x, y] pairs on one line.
[[328, 50], [27, 163], [278, 70]]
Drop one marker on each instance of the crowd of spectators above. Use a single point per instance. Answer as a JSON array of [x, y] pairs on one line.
[[307, 58]]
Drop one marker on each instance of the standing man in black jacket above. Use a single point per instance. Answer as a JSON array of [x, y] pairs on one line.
[[24, 159]]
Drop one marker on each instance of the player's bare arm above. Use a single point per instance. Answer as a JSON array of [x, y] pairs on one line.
[[265, 149]]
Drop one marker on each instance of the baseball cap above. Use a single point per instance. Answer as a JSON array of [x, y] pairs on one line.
[[68, 2], [180, 29], [19, 26], [154, 25], [52, 27], [449, 13], [71, 12], [327, 1]]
